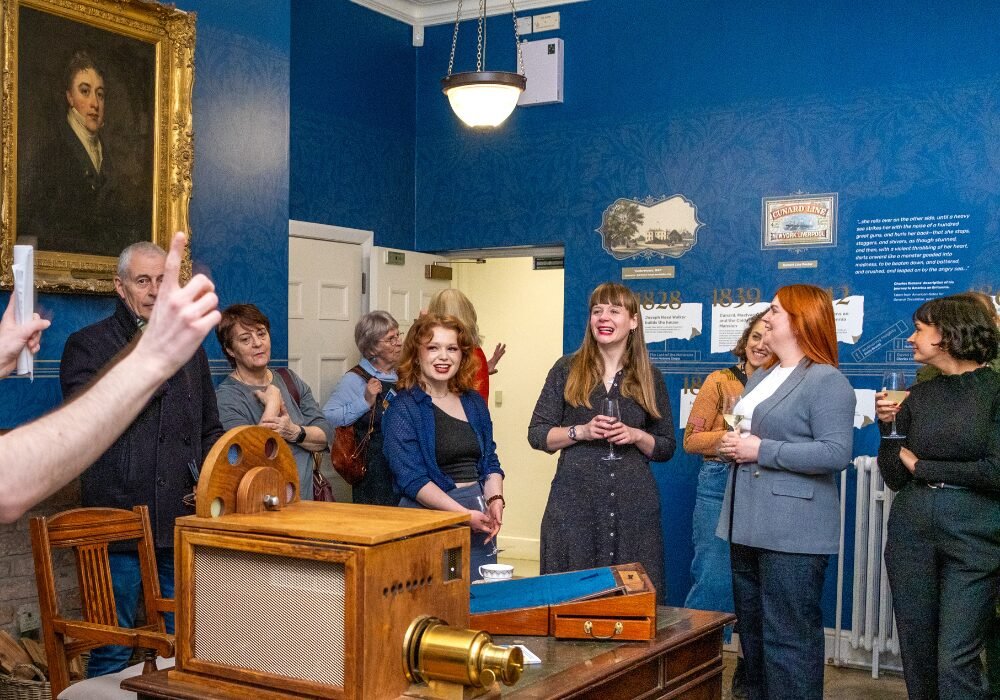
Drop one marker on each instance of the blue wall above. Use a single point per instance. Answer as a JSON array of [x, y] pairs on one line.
[[239, 208], [353, 111], [893, 107]]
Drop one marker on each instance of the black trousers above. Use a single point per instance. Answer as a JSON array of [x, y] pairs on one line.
[[943, 559]]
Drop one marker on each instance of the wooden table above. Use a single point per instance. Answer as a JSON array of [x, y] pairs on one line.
[[683, 661]]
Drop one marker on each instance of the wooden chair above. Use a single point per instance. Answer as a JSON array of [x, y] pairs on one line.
[[88, 531]]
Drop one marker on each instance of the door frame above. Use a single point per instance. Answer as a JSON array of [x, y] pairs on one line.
[[340, 234]]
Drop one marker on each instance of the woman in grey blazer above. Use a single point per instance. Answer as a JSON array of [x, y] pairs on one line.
[[781, 510]]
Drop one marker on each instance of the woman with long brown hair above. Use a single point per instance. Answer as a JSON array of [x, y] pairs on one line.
[[781, 512], [604, 505], [438, 436]]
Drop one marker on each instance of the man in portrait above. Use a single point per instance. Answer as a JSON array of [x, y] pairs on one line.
[[154, 461], [74, 198], [86, 135]]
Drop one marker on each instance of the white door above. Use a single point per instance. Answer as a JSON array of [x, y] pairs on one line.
[[324, 304], [402, 289]]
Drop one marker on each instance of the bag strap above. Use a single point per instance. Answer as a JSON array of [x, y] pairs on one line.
[[293, 389], [361, 372], [364, 374]]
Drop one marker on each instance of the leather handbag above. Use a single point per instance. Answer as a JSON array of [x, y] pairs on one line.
[[322, 489], [348, 454]]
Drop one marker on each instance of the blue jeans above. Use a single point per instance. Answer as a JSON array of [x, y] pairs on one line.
[[480, 551], [127, 584], [712, 574], [777, 597]]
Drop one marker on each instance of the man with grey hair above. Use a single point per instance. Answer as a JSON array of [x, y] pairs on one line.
[[154, 461]]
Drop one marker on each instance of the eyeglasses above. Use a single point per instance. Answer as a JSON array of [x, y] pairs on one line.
[[392, 339]]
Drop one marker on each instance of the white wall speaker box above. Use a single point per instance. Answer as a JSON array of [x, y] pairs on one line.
[[543, 67]]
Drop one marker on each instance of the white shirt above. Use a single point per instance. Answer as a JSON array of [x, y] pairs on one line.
[[760, 393], [91, 143]]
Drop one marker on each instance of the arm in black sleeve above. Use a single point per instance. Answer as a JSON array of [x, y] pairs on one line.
[[893, 470], [662, 428], [211, 426]]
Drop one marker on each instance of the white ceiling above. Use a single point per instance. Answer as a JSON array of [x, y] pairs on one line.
[[424, 13]]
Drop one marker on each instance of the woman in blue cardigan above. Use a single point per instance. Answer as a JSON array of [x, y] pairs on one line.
[[439, 435]]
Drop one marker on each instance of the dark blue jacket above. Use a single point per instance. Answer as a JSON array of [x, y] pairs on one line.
[[410, 445], [148, 464]]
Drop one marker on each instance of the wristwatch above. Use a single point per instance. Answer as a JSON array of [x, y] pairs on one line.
[[572, 433], [300, 438]]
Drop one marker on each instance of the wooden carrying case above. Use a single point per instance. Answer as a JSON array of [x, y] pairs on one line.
[[624, 611]]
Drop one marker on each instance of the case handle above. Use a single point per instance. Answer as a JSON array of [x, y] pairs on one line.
[[588, 628]]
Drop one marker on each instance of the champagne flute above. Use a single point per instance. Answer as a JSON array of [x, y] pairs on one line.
[[894, 386], [730, 414], [481, 505], [611, 410]]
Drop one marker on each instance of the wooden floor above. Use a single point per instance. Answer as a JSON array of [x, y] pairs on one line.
[[838, 683]]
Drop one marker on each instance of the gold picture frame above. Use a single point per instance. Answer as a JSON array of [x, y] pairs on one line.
[[96, 139]]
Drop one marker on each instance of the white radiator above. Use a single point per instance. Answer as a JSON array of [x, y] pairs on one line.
[[873, 623]]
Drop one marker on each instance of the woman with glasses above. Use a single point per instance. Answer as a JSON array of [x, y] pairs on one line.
[[252, 394], [439, 436], [361, 397]]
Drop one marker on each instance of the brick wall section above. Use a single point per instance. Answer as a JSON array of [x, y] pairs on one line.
[[18, 593]]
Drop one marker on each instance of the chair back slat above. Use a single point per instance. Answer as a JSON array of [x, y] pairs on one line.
[[97, 599]]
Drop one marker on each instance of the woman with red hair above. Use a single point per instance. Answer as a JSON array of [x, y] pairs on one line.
[[781, 512], [439, 436]]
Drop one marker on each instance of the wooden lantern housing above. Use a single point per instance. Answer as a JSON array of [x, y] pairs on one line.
[[278, 597]]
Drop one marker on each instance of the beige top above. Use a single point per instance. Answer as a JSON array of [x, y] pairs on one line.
[[705, 426]]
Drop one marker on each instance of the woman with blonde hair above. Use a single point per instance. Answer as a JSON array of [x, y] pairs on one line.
[[439, 436], [604, 505], [452, 302], [781, 511]]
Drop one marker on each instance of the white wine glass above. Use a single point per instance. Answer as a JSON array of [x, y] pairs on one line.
[[481, 504], [612, 411], [731, 415], [894, 386]]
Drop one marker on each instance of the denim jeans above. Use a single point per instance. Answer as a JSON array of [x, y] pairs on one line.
[[712, 576], [127, 584], [777, 597], [480, 551]]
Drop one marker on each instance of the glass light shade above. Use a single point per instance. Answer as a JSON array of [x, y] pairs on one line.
[[483, 99]]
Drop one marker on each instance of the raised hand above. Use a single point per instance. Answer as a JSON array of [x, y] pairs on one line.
[[498, 352], [14, 337], [182, 316]]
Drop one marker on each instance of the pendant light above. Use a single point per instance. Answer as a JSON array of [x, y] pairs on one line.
[[483, 98]]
